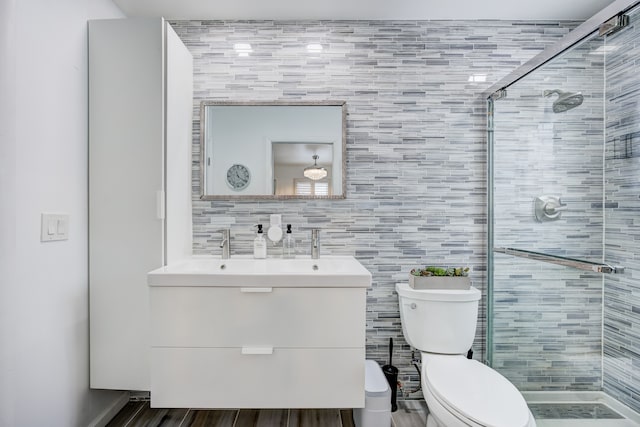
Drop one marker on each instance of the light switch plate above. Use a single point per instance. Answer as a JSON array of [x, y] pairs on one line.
[[54, 226]]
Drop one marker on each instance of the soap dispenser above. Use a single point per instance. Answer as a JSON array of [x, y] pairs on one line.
[[274, 233], [259, 245], [289, 245]]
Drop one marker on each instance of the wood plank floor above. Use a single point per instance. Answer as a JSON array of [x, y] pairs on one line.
[[140, 414], [410, 413]]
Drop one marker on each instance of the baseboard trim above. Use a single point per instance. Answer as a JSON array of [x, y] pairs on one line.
[[103, 418]]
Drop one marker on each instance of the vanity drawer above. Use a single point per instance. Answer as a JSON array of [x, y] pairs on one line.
[[277, 317], [284, 378]]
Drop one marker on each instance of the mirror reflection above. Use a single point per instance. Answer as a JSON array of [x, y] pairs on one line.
[[302, 169], [272, 150]]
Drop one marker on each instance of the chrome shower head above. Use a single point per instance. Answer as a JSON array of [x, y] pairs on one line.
[[566, 100]]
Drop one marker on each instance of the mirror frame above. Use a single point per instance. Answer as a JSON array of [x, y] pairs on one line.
[[204, 104]]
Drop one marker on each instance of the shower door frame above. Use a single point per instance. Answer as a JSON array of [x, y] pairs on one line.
[[583, 31], [499, 89]]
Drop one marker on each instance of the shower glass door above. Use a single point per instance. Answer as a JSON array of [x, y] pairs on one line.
[[545, 329], [564, 221]]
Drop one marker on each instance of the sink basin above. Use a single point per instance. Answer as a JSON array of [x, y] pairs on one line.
[[329, 271]]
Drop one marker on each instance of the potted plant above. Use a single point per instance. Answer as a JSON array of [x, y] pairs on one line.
[[440, 278]]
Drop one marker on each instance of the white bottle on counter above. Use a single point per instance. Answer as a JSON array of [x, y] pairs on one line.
[[289, 245], [259, 245]]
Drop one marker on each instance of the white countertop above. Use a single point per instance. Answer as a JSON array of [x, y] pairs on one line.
[[328, 271]]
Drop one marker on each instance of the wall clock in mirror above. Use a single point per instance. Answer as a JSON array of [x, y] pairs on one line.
[[238, 177]]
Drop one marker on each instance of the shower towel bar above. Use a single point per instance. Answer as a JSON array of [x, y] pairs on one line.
[[560, 260]]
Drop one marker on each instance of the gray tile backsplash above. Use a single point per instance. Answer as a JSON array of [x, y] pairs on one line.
[[416, 146]]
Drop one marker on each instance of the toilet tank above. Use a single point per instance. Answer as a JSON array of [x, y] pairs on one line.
[[438, 321]]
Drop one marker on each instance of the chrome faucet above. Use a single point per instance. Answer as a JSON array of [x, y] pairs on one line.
[[225, 244], [315, 243]]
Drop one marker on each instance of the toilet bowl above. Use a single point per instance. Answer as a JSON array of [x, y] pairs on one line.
[[459, 391], [464, 392]]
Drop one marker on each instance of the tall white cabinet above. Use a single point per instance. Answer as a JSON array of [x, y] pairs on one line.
[[140, 116]]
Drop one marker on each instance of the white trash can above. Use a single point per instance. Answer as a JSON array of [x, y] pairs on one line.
[[377, 400]]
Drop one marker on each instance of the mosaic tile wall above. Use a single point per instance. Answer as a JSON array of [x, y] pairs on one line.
[[622, 233], [548, 319], [416, 151]]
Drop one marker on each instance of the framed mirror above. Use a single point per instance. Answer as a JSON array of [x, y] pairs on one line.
[[272, 150]]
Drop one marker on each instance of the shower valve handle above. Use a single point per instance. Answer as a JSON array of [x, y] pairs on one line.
[[552, 208], [548, 208]]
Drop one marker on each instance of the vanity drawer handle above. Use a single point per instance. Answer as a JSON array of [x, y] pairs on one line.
[[256, 290], [257, 350]]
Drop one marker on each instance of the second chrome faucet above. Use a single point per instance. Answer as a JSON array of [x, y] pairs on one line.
[[225, 243], [315, 243]]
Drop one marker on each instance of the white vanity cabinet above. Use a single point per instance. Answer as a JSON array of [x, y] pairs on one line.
[[257, 346], [140, 120]]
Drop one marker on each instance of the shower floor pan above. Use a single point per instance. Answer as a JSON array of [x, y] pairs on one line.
[[585, 409]]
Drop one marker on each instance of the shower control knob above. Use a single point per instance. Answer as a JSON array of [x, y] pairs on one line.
[[548, 208]]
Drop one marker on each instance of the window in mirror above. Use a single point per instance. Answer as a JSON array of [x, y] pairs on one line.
[[307, 187]]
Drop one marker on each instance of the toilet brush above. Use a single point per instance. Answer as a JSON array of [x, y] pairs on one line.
[[391, 373]]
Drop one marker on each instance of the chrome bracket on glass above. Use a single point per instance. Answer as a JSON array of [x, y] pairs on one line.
[[548, 208], [499, 94], [613, 25], [610, 269]]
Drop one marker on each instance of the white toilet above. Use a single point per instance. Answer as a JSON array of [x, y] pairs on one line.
[[459, 392]]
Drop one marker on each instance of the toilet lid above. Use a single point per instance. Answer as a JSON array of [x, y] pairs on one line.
[[476, 392]]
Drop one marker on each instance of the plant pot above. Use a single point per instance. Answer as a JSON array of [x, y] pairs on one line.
[[439, 282]]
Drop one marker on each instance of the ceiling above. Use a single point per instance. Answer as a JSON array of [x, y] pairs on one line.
[[301, 154], [364, 9]]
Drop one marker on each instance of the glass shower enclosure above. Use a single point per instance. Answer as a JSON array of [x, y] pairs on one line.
[[564, 219]]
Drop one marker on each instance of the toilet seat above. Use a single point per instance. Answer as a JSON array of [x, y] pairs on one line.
[[476, 393]]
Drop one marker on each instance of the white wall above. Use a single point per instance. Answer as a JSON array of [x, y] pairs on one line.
[[44, 340], [7, 197]]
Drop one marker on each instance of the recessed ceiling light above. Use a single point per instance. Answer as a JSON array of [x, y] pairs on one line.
[[314, 48], [478, 78], [242, 49]]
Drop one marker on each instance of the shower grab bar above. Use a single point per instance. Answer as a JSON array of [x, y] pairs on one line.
[[560, 260]]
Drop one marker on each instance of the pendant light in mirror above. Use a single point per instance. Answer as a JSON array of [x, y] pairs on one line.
[[315, 172]]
